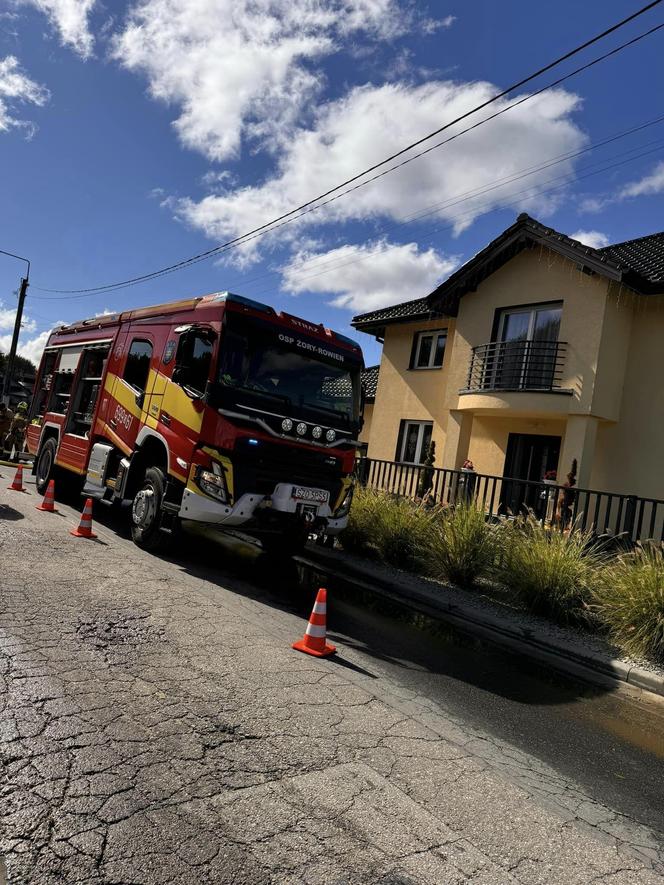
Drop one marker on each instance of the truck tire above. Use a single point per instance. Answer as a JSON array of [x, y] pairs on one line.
[[45, 467], [146, 512]]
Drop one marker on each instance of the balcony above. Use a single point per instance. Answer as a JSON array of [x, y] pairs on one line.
[[535, 366]]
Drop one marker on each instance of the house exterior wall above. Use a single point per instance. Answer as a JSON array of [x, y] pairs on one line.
[[488, 441], [365, 435], [411, 394], [612, 422], [629, 455], [534, 276]]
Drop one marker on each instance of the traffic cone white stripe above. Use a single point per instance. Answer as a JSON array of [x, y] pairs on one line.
[[313, 630], [320, 608]]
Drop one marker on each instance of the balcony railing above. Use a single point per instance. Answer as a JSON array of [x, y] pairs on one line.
[[517, 365]]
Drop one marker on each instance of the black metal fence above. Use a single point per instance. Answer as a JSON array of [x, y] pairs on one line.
[[590, 510]]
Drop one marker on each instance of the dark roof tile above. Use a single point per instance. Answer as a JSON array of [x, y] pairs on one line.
[[644, 256], [370, 382], [417, 307]]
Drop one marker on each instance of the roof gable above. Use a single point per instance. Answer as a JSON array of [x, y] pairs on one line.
[[638, 264]]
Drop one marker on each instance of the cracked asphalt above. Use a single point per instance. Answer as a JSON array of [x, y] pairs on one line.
[[156, 727]]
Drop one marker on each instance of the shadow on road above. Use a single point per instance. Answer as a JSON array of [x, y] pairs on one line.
[[8, 513]]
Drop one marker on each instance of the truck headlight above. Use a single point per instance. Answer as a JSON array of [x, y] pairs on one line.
[[344, 508], [212, 482]]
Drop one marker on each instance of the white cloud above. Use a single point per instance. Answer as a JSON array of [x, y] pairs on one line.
[[650, 184], [16, 88], [8, 317], [240, 68], [593, 238], [369, 276], [70, 17], [647, 186], [371, 122], [30, 348]]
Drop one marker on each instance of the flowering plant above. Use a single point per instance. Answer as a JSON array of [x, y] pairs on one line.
[[551, 474], [468, 465]]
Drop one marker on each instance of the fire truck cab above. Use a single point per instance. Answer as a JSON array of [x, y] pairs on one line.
[[216, 410]]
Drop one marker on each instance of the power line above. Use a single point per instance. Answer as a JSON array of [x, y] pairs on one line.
[[335, 264], [330, 265], [309, 204]]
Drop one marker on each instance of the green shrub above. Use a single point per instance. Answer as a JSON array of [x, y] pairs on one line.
[[463, 546], [631, 602], [359, 536], [552, 573], [389, 527]]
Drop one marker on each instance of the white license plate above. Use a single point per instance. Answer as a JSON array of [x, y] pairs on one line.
[[316, 496]]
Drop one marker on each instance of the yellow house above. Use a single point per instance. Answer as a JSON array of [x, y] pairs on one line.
[[536, 352]]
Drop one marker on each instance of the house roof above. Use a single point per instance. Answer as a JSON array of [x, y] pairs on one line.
[[638, 264], [370, 383], [644, 256]]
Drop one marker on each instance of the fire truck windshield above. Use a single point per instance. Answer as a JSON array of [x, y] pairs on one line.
[[289, 374]]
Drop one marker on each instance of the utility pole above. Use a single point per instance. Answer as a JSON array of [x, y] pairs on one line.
[[9, 366]]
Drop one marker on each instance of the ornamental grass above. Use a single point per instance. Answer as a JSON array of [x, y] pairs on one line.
[[552, 573], [463, 546], [630, 602], [389, 527]]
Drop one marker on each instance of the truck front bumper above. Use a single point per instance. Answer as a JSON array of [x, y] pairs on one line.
[[252, 511]]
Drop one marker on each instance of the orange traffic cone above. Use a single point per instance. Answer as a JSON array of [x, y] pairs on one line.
[[48, 504], [17, 484], [84, 529], [313, 641]]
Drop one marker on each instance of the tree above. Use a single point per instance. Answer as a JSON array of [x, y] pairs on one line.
[[22, 366]]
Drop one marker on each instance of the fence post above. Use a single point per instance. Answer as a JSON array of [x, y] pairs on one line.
[[363, 470], [630, 515]]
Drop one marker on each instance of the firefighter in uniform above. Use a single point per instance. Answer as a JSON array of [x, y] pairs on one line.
[[16, 435], [6, 416]]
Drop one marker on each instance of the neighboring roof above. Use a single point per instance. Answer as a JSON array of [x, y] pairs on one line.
[[638, 264], [408, 310], [370, 383], [644, 256]]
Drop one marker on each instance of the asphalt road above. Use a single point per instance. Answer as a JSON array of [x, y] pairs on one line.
[[609, 741], [415, 756]]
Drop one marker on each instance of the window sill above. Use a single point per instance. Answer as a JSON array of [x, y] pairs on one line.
[[425, 368]]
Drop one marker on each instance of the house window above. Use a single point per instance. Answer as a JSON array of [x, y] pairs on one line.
[[137, 367], [429, 349], [526, 354], [413, 442]]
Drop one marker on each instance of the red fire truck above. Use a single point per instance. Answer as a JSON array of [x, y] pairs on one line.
[[216, 409]]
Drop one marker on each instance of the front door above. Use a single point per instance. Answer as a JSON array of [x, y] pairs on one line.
[[528, 457]]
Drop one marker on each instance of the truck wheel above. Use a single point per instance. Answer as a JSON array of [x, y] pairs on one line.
[[45, 465], [146, 511]]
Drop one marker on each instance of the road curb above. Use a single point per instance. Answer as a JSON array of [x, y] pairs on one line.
[[491, 626]]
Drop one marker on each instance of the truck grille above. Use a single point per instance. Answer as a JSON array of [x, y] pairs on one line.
[[258, 468]]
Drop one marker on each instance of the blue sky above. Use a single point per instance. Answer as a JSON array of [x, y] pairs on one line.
[[134, 134]]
